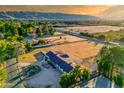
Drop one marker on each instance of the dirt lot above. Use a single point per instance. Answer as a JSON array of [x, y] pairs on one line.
[[93, 29], [83, 49], [81, 52], [64, 38]]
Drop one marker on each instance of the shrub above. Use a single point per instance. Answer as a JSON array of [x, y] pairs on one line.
[[41, 41], [118, 79], [66, 32], [83, 33], [74, 77], [3, 76], [29, 46]]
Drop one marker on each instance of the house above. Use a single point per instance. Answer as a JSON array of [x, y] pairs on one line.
[[58, 62]]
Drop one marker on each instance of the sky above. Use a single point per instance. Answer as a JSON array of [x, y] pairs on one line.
[[80, 9], [103, 11], [114, 12]]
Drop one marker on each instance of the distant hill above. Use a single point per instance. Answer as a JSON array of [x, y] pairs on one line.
[[46, 16]]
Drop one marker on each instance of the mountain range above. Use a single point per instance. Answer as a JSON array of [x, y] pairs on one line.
[[46, 16]]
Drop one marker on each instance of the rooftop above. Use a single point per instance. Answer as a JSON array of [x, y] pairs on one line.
[[63, 65]]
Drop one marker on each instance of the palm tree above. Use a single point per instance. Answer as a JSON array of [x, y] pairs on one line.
[[45, 29], [65, 80], [72, 78], [76, 73]]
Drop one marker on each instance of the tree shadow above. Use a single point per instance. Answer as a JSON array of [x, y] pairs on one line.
[[102, 82], [11, 65]]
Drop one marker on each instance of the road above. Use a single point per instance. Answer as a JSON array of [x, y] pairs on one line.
[[93, 39]]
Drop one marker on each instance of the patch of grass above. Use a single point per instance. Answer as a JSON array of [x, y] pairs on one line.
[[111, 35], [27, 58], [116, 36]]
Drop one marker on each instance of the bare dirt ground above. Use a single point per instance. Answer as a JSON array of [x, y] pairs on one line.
[[67, 38], [80, 53], [28, 57], [83, 49], [93, 29]]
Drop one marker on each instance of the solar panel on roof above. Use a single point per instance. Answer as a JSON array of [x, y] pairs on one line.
[[63, 65]]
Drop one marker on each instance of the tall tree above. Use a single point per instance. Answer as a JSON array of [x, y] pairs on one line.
[[105, 62], [7, 50]]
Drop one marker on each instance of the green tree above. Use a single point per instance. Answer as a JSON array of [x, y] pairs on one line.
[[29, 46], [23, 29], [76, 73], [10, 28], [7, 50], [3, 76], [45, 29], [105, 62], [86, 74], [65, 81], [42, 41], [51, 30], [118, 79], [38, 32], [111, 62], [74, 77]]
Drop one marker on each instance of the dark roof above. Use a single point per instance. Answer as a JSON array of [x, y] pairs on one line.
[[63, 65]]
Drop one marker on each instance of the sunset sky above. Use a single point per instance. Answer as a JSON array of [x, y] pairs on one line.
[[103, 11], [82, 9]]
